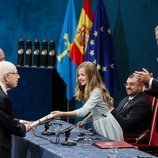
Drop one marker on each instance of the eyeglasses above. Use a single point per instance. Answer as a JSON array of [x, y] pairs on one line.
[[14, 73], [130, 84]]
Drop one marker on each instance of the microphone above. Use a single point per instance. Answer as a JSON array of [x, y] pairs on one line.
[[95, 117], [68, 129], [41, 120], [67, 134], [46, 131]]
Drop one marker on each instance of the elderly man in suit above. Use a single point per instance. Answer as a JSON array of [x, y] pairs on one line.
[[134, 111], [8, 124]]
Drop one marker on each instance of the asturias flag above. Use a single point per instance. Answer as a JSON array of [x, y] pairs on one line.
[[82, 34], [100, 49], [65, 66]]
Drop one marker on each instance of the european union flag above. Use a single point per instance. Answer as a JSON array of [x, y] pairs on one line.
[[65, 66], [100, 49]]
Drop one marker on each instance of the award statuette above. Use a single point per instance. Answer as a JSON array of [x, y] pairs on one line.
[[28, 61], [44, 54], [36, 53], [51, 54], [20, 60]]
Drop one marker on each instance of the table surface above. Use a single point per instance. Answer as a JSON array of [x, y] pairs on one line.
[[37, 147]]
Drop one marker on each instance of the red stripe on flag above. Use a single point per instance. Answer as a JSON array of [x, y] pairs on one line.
[[88, 10], [76, 57]]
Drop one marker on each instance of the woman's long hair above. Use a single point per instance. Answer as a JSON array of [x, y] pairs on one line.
[[93, 81]]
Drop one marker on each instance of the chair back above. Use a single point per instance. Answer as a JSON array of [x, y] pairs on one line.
[[153, 140]]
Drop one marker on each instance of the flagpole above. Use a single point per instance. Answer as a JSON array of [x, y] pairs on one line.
[[68, 107], [65, 67]]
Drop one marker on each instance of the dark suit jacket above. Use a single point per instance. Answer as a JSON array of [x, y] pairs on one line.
[[135, 117], [8, 125], [154, 89]]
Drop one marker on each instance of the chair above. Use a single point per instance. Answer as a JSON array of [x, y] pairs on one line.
[[148, 140], [143, 137], [152, 145]]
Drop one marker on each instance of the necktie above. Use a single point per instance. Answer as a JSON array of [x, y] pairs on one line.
[[125, 105]]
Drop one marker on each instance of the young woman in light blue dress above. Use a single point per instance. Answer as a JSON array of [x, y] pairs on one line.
[[97, 102]]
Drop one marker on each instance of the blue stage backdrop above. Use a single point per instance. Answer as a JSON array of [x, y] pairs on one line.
[[39, 92]]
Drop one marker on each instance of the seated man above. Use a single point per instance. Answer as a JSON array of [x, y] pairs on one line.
[[134, 111]]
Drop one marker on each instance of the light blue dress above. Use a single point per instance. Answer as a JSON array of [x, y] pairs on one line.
[[104, 122]]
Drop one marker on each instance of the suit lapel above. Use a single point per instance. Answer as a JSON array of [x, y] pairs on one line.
[[122, 104]]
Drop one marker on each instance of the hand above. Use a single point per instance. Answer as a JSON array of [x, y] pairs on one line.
[[80, 124], [143, 76], [56, 114], [111, 103], [28, 127], [27, 124]]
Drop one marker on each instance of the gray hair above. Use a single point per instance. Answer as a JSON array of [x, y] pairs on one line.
[[5, 68]]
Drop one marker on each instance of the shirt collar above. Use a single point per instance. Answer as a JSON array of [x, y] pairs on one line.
[[3, 88], [131, 97]]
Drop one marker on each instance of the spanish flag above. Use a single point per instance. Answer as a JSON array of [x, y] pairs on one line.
[[82, 34]]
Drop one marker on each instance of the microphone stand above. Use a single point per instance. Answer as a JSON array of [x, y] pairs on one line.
[[67, 135], [47, 131]]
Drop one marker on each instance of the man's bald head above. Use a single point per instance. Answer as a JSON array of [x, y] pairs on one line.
[[5, 68]]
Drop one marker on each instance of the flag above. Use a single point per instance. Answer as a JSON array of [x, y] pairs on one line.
[[82, 34], [100, 49], [64, 65]]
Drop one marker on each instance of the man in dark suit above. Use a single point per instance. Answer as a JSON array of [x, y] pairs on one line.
[[150, 83], [8, 124], [134, 111]]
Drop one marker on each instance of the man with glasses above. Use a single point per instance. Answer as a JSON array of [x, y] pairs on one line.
[[2, 56], [134, 111], [8, 124]]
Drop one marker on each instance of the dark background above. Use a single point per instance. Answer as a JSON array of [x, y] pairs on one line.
[[132, 24]]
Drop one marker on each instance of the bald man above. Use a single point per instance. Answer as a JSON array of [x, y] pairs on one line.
[[2, 56], [8, 124]]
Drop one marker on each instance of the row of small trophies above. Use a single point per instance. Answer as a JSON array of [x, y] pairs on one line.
[[36, 54]]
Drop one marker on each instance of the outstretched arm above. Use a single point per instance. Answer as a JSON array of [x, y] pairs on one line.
[[56, 114]]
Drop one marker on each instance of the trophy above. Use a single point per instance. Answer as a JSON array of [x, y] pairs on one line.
[[44, 54], [51, 54], [20, 60], [28, 61], [36, 53]]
